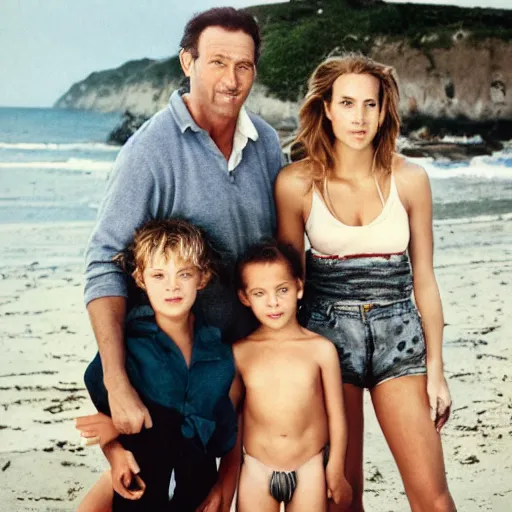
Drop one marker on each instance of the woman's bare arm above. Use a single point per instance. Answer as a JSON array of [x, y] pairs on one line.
[[414, 187], [290, 194]]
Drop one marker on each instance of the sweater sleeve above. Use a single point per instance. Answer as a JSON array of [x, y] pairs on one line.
[[276, 158], [129, 201]]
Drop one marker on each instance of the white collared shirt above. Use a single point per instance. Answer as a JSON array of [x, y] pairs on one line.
[[244, 131]]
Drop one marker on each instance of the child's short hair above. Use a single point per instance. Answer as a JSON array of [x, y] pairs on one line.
[[269, 252], [168, 237]]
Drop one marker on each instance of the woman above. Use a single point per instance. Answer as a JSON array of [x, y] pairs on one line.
[[368, 215]]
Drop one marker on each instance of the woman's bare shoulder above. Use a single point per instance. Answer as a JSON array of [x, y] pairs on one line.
[[409, 175], [297, 176]]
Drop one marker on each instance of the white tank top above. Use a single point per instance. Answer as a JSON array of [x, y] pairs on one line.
[[388, 233]]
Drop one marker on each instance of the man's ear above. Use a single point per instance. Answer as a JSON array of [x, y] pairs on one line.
[[243, 298], [300, 289], [186, 61]]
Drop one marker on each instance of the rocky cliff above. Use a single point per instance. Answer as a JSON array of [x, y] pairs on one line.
[[452, 63]]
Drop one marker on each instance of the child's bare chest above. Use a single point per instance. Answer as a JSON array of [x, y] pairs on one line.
[[277, 371]]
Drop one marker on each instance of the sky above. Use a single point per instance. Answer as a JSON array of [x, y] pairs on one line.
[[47, 45]]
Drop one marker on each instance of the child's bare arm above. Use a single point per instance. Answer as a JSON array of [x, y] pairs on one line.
[[222, 494], [337, 487], [96, 429], [333, 395], [229, 468]]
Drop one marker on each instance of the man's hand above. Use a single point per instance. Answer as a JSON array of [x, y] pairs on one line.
[[96, 428], [213, 502], [439, 397], [124, 469], [129, 414], [338, 489]]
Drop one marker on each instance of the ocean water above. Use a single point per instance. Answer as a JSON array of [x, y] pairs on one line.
[[54, 166]]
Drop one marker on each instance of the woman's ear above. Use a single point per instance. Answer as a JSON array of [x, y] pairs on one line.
[[243, 298], [327, 110], [383, 110]]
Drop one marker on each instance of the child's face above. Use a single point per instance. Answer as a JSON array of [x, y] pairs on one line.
[[171, 285], [271, 292]]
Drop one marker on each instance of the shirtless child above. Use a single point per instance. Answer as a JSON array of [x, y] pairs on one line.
[[293, 404]]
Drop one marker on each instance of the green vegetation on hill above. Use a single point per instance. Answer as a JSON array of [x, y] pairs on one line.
[[299, 34]]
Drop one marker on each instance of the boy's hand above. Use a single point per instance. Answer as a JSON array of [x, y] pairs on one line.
[[212, 502], [338, 489], [124, 469], [96, 428]]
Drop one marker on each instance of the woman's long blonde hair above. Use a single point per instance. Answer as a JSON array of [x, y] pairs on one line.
[[316, 137]]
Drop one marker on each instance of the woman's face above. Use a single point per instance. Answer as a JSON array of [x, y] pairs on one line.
[[354, 110]]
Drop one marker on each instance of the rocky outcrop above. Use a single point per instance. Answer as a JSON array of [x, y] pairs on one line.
[[129, 124], [141, 87], [464, 81]]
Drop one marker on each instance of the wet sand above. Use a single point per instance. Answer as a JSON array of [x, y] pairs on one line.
[[46, 342]]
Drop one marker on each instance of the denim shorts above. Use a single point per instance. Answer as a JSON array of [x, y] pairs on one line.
[[374, 342]]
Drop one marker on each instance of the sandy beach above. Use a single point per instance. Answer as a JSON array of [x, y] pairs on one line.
[[46, 342]]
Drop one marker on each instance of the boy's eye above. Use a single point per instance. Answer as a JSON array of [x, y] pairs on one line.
[[346, 103], [158, 276], [258, 294], [186, 275]]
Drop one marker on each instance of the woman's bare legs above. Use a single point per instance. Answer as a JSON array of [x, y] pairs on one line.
[[100, 496], [353, 399], [402, 410]]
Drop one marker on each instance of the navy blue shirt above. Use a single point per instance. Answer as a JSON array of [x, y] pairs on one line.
[[158, 371]]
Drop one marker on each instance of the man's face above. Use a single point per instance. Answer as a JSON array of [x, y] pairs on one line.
[[222, 75]]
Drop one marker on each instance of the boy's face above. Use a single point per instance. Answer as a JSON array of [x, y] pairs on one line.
[[271, 292], [171, 285]]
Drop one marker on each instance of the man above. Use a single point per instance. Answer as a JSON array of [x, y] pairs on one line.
[[203, 158]]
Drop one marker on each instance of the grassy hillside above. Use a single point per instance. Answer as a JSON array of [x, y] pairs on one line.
[[298, 34]]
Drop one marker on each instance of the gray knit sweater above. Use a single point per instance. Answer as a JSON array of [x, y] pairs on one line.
[[171, 168]]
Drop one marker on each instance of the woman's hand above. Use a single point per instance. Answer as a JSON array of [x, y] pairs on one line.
[[438, 393], [96, 429]]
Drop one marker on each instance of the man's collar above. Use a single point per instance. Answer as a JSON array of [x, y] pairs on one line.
[[184, 119], [181, 112], [245, 126]]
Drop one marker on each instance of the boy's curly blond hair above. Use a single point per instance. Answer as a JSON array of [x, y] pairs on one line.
[[171, 238]]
